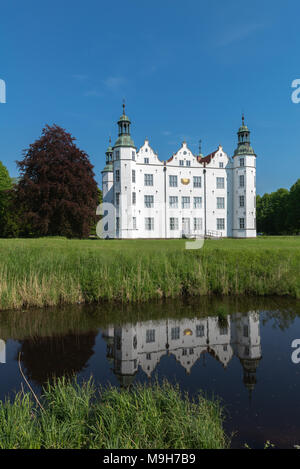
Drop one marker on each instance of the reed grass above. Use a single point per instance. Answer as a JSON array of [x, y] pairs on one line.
[[56, 271], [76, 416]]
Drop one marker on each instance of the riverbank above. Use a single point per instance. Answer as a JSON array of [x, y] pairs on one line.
[[56, 271], [77, 416]]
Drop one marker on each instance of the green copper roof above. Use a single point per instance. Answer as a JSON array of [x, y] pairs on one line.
[[124, 141], [109, 149], [243, 128], [244, 149], [108, 168], [124, 118]]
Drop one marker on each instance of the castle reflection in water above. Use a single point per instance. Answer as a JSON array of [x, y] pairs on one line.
[[145, 343]]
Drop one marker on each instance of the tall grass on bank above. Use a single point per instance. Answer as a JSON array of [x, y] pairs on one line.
[[144, 417], [57, 271]]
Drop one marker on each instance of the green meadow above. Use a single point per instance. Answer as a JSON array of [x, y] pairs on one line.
[[55, 271]]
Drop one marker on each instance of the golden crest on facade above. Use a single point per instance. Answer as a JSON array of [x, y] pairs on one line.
[[185, 181]]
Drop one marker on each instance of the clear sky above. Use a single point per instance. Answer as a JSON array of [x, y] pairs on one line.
[[186, 68]]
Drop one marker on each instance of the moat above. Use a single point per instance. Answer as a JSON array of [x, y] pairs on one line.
[[238, 350]]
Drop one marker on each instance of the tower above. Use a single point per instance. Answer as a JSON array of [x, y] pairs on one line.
[[244, 186], [108, 190], [107, 175], [124, 162]]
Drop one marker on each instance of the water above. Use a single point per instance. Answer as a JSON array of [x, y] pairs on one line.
[[245, 359]]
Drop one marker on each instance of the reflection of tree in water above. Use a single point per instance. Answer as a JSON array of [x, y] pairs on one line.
[[45, 357], [281, 319]]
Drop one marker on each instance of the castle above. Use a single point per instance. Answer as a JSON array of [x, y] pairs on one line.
[[186, 196]]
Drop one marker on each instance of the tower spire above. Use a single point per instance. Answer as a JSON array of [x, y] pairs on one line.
[[124, 123], [244, 146], [200, 147]]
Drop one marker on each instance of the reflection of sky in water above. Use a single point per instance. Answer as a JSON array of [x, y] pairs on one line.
[[244, 359]]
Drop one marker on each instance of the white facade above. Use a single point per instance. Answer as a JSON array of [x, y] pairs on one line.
[[188, 195]]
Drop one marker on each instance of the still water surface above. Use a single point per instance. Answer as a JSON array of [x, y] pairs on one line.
[[245, 359]]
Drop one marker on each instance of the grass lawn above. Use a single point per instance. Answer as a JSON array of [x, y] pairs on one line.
[[53, 271]]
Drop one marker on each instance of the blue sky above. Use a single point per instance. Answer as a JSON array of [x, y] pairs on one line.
[[187, 69]]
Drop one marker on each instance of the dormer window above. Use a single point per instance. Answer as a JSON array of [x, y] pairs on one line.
[[133, 155], [188, 163], [146, 160], [181, 162]]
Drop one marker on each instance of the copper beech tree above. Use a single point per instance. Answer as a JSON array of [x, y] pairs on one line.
[[57, 190]]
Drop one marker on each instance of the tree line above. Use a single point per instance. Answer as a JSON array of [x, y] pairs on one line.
[[56, 193], [278, 213]]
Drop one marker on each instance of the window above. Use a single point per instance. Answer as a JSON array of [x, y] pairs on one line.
[[117, 223], [221, 165], [133, 155], [117, 175], [184, 351], [148, 356], [181, 162], [197, 181], [188, 163], [149, 224], [242, 180], [149, 201], [173, 181], [173, 224], [175, 333], [220, 202], [148, 178], [242, 162], [117, 155], [134, 223], [220, 183], [246, 331], [224, 330], [197, 224], [133, 175], [242, 200], [220, 224], [150, 335], [185, 202], [199, 330], [197, 202], [117, 198], [242, 223], [133, 198], [173, 201], [146, 160]]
